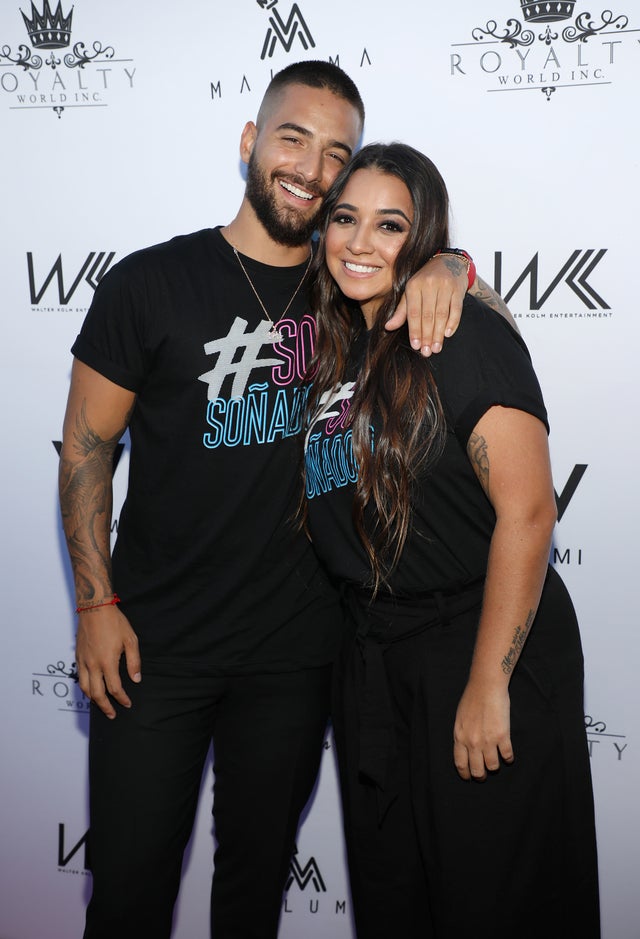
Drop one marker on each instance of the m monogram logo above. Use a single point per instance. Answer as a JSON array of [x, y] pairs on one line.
[[285, 32]]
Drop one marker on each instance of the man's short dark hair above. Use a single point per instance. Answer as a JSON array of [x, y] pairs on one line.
[[315, 74]]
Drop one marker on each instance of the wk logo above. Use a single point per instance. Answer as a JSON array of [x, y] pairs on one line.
[[117, 453], [575, 273], [92, 271], [303, 875], [284, 32], [565, 497], [64, 857]]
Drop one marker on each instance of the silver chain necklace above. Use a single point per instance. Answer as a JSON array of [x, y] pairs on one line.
[[274, 333]]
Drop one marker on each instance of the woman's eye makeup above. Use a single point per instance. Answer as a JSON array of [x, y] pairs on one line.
[[342, 218], [390, 225]]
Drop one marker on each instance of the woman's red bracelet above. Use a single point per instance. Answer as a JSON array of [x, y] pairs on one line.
[[96, 606]]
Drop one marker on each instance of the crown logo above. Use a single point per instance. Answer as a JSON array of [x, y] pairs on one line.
[[48, 30], [548, 12]]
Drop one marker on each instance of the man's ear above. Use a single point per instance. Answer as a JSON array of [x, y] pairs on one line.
[[247, 140]]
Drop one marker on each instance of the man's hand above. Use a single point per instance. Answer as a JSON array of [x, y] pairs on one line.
[[432, 303], [103, 635]]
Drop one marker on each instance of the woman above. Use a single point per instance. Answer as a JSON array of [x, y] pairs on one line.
[[429, 496]]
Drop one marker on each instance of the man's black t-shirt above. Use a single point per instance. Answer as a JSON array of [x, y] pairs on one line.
[[211, 571], [485, 363]]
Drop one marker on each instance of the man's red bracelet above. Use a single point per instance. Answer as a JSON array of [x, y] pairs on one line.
[[96, 606]]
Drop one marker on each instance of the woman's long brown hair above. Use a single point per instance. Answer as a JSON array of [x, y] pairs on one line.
[[395, 389]]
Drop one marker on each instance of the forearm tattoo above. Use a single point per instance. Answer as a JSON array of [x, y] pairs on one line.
[[517, 642], [484, 292], [85, 502], [479, 456]]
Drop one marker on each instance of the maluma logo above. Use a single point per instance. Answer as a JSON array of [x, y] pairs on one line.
[[285, 31]]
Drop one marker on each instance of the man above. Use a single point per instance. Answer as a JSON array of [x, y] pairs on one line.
[[199, 346]]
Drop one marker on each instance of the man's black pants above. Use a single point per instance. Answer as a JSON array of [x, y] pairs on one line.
[[145, 774]]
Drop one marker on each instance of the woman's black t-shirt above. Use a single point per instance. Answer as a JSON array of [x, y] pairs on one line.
[[485, 363]]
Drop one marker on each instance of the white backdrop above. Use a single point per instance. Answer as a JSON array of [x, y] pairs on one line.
[[132, 137]]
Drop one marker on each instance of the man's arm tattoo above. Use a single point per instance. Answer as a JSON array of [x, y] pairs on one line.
[[86, 502], [454, 264], [479, 456], [482, 291], [517, 643]]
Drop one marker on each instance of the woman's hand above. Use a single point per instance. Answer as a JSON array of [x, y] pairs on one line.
[[509, 452], [481, 733]]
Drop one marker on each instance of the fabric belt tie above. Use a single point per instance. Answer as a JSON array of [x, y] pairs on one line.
[[380, 624]]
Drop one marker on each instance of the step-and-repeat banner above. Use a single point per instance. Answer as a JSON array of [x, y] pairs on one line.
[[119, 126]]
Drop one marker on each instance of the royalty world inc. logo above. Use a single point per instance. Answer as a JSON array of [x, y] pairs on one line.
[[57, 686], [553, 45], [54, 71], [603, 742]]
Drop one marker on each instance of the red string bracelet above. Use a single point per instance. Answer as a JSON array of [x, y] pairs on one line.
[[95, 606]]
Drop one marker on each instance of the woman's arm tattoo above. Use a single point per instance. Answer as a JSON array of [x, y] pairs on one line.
[[479, 456], [517, 643]]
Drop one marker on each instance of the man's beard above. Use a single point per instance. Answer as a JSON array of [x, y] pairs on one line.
[[285, 226]]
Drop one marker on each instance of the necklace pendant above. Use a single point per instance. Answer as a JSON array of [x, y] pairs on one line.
[[274, 333]]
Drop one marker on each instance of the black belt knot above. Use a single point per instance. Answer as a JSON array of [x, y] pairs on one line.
[[380, 623]]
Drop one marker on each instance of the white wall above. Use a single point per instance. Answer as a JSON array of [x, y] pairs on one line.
[[147, 147]]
